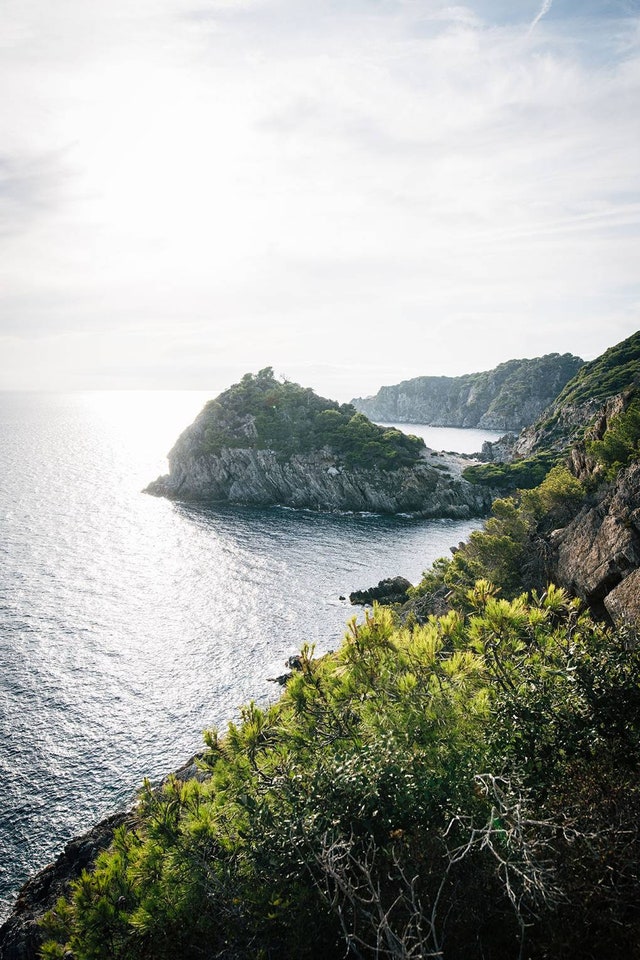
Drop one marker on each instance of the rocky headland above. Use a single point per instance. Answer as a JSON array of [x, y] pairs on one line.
[[268, 443], [509, 397]]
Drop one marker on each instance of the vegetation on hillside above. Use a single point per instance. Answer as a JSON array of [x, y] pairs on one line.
[[463, 789], [508, 395], [616, 372], [606, 376], [505, 550], [266, 413], [517, 474]]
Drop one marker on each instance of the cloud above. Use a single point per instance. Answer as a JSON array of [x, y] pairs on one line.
[[347, 175], [543, 11]]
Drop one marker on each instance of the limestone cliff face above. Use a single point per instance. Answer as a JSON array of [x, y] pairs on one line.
[[509, 397], [597, 555], [432, 487]]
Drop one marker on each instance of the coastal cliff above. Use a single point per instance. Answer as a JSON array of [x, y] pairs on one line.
[[573, 514], [507, 398], [267, 443], [597, 390], [429, 488]]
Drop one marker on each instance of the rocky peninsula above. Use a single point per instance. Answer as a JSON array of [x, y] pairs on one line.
[[265, 443]]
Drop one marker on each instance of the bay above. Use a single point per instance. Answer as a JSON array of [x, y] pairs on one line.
[[129, 624]]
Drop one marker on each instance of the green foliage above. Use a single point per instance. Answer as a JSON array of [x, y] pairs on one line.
[[502, 552], [557, 499], [497, 553], [620, 445], [402, 791], [262, 412], [519, 474], [605, 376]]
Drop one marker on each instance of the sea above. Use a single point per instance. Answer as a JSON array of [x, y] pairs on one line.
[[129, 624]]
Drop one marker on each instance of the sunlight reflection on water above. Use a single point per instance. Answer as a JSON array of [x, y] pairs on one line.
[[128, 624]]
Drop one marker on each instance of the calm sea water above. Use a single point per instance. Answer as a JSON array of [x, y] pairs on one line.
[[129, 624], [448, 438]]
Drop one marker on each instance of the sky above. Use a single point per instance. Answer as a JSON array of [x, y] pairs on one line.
[[354, 192]]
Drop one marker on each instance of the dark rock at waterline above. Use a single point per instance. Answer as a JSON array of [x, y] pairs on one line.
[[20, 935], [392, 590]]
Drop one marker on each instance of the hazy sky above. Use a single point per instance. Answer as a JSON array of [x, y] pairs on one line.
[[352, 191]]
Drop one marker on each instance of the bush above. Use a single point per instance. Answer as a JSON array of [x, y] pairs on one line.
[[557, 499], [519, 474], [435, 790]]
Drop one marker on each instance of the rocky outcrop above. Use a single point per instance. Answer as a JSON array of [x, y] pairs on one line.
[[498, 451], [623, 602], [433, 487], [596, 390], [391, 590], [509, 397], [267, 443], [597, 555]]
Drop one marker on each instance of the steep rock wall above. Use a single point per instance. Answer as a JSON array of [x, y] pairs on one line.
[[596, 553], [432, 487]]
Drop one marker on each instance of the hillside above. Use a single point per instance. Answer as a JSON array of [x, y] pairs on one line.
[[573, 516], [265, 442], [508, 397], [585, 396]]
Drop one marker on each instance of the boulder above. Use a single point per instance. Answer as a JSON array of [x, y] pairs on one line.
[[391, 590]]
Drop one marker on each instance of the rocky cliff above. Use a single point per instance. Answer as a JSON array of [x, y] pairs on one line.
[[597, 555], [432, 487], [509, 397], [265, 443]]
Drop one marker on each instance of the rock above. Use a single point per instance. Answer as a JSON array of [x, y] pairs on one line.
[[498, 451], [20, 935], [600, 548], [262, 478], [623, 602], [392, 590], [267, 443]]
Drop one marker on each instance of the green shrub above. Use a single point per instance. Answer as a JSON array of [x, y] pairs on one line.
[[557, 498], [435, 790], [519, 474]]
